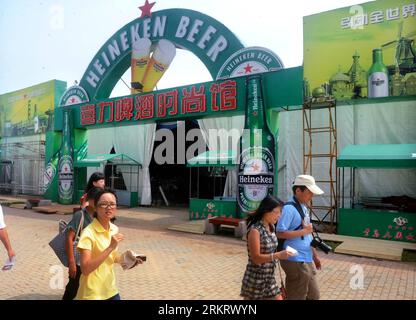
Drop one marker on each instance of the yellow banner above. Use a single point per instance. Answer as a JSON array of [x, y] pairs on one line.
[[361, 51], [25, 111]]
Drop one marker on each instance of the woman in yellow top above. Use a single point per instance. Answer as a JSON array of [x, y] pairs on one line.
[[98, 249]]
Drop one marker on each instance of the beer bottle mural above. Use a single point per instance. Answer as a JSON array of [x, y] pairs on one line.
[[50, 170], [378, 79], [65, 166], [256, 166]]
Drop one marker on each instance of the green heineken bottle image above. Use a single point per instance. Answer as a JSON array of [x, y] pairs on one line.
[[256, 165], [378, 79], [65, 166], [50, 170]]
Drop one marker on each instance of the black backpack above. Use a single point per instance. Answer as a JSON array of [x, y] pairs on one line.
[[296, 204]]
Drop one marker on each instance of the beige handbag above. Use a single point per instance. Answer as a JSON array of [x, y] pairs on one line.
[[282, 285]]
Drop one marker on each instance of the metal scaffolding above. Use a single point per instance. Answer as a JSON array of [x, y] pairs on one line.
[[22, 167], [320, 151]]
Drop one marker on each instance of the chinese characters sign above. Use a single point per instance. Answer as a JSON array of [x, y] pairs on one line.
[[378, 16], [198, 100], [203, 209], [399, 230], [378, 224]]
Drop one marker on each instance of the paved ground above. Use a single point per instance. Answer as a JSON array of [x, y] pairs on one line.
[[181, 265]]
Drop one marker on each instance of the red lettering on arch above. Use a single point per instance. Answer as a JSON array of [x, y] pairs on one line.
[[193, 100], [88, 115]]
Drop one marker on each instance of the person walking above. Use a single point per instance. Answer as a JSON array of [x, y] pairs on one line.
[[295, 229], [96, 180], [4, 237], [259, 278], [98, 248], [74, 269]]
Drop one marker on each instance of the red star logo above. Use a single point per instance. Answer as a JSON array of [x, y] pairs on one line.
[[146, 9], [255, 167], [248, 68], [72, 100]]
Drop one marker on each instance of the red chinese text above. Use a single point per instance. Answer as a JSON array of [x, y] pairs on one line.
[[228, 93], [165, 101], [88, 115], [145, 106], [193, 101], [124, 109], [103, 105]]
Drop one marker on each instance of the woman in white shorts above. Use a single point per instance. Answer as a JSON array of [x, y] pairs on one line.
[[4, 237]]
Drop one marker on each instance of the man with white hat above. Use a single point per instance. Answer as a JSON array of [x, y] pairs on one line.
[[295, 230]]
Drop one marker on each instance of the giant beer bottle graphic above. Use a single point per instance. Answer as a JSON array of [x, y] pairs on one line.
[[50, 171], [256, 166], [65, 165], [378, 80]]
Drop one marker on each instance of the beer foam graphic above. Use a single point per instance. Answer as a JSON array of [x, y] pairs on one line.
[[165, 52], [141, 48]]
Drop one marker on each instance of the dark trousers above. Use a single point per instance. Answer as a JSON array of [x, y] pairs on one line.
[[71, 288]]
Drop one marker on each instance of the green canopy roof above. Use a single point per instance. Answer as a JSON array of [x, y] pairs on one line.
[[95, 160], [214, 159], [378, 156]]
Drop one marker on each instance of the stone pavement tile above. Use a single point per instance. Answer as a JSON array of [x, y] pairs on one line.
[[180, 265]]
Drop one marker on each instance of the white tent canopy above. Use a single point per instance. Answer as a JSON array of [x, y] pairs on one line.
[[376, 123]]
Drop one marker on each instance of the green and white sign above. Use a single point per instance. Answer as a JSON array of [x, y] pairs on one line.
[[248, 61], [74, 95], [255, 178], [66, 179]]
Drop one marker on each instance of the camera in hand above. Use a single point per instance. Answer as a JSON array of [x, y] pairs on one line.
[[141, 257], [318, 243]]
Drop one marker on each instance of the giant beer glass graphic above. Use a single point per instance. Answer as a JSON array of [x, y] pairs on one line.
[[140, 57], [159, 62]]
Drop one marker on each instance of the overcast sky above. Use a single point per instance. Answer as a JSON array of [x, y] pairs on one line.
[[45, 40]]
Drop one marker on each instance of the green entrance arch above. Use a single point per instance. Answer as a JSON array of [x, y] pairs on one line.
[[211, 41], [216, 47]]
